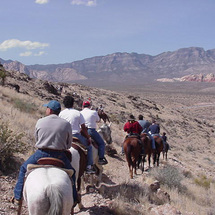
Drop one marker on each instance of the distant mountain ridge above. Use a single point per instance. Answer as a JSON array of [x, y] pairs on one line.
[[124, 67]]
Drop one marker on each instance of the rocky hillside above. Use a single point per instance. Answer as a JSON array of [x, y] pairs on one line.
[[127, 68], [190, 134]]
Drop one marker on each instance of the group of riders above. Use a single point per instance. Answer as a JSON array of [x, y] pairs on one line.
[[54, 135], [135, 128]]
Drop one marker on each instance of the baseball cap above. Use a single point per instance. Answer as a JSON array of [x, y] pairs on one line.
[[53, 105], [86, 103]]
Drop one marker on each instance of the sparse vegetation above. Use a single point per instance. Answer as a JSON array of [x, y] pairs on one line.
[[24, 106], [169, 176], [203, 181], [10, 143]]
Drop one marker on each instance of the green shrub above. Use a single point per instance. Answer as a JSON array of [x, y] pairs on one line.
[[10, 143], [24, 106], [3, 76], [203, 181]]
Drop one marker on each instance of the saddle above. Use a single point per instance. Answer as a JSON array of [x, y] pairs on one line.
[[131, 135], [51, 161], [31, 167], [76, 143]]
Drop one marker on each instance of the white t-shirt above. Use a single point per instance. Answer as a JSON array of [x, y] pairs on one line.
[[91, 117], [74, 117]]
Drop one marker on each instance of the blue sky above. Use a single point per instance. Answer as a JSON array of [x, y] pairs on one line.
[[61, 31]]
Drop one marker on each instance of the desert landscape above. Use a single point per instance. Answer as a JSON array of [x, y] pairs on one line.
[[185, 111]]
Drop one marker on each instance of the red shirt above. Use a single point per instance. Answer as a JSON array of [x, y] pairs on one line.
[[133, 127]]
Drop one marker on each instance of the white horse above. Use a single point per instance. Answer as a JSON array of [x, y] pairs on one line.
[[105, 132], [48, 191]]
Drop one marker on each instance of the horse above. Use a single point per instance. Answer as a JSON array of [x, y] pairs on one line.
[[132, 148], [103, 116], [105, 132], [79, 160], [159, 149], [48, 191], [165, 151], [146, 142]]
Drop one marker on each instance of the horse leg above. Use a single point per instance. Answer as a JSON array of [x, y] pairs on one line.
[[158, 159], [143, 160], [80, 205], [72, 211], [149, 160]]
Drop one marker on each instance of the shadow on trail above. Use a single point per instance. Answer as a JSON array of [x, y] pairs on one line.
[[97, 210]]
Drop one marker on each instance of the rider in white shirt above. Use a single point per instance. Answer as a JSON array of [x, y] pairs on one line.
[[76, 119], [91, 117]]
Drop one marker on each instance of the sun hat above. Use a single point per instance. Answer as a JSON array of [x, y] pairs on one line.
[[53, 105]]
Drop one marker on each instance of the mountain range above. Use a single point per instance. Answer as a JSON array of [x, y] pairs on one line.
[[125, 68]]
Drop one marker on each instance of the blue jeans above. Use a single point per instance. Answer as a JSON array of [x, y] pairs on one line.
[[33, 160], [98, 139], [83, 140], [152, 140]]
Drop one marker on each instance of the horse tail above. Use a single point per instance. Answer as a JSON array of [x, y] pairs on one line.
[[55, 199], [128, 155]]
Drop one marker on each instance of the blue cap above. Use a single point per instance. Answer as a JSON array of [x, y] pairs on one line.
[[53, 105]]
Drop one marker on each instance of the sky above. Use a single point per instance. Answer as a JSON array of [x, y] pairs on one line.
[[63, 31]]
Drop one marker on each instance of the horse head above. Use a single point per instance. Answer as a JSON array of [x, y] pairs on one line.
[[105, 132]]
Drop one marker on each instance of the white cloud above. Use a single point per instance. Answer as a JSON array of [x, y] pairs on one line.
[[84, 2], [25, 54], [41, 1], [39, 54], [14, 43]]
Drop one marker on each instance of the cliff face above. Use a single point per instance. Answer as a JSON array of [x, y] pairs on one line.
[[125, 67]]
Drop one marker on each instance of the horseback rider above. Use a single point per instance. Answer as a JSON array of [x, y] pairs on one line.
[[133, 128], [145, 126], [154, 129], [79, 130], [164, 137], [53, 136], [91, 117]]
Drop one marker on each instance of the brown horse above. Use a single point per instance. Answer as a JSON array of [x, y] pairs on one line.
[[132, 148], [165, 151], [146, 141], [103, 116], [159, 149]]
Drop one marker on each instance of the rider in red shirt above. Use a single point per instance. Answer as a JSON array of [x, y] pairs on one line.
[[132, 126]]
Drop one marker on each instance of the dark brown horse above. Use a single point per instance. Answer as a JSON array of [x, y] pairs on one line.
[[159, 149], [146, 141], [165, 151], [103, 116], [132, 148]]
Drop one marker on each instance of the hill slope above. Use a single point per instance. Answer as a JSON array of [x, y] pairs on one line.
[[191, 138]]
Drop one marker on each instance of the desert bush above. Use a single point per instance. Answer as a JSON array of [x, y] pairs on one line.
[[10, 143], [203, 181], [169, 176], [3, 76], [24, 106]]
